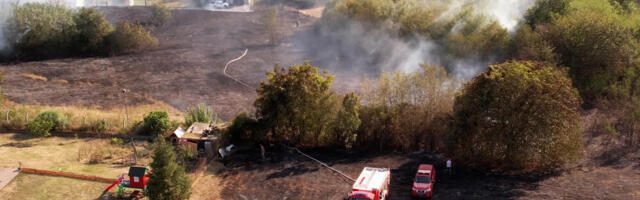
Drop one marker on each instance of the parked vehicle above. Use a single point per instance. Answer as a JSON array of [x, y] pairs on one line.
[[372, 184], [424, 181], [220, 4]]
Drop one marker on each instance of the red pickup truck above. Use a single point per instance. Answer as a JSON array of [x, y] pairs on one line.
[[423, 183]]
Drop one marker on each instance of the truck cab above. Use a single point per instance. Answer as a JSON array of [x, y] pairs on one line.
[[424, 181], [372, 184]]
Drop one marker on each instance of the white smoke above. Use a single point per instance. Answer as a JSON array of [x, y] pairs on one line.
[[363, 50], [507, 12], [6, 11]]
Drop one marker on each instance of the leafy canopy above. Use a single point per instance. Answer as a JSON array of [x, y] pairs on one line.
[[168, 180], [518, 115]]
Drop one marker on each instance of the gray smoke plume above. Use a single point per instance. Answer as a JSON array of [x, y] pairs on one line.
[[6, 11], [361, 49]]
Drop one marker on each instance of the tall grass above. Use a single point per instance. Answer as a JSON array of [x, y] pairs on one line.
[[111, 121]]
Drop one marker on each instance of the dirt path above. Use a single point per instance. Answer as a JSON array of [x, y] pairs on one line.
[[6, 175]]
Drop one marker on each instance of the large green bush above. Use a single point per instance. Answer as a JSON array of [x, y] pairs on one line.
[[45, 123], [598, 47], [90, 30], [41, 30], [156, 123], [38, 31], [517, 115]]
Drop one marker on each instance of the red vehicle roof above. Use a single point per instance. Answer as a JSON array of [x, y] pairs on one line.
[[425, 167]]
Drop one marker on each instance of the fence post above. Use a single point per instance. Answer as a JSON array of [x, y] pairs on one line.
[[8, 116]]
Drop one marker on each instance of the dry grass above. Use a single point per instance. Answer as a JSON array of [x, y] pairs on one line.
[[29, 186], [84, 118], [34, 77], [313, 12], [63, 154], [209, 185], [61, 81]]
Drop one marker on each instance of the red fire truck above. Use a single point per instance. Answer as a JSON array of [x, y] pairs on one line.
[[372, 184]]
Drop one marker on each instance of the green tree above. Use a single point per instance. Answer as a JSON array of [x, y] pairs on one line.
[[168, 180], [297, 103], [90, 30], [200, 113], [41, 30], [545, 11], [518, 115], [529, 45], [156, 123], [348, 121], [598, 48], [46, 122]]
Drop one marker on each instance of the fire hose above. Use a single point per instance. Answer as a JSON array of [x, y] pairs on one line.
[[234, 60], [323, 164]]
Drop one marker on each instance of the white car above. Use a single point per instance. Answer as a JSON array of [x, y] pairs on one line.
[[219, 4]]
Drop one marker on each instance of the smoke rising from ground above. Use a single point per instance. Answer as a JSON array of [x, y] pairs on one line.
[[6, 11], [373, 49]]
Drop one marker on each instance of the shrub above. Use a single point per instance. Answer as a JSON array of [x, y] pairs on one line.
[[41, 30], [168, 180], [156, 123], [243, 127], [517, 115], [90, 30], [160, 14], [200, 113], [46, 122], [117, 141], [129, 38], [99, 126]]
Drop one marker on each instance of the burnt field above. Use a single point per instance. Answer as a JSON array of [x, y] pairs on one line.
[[186, 68], [293, 176]]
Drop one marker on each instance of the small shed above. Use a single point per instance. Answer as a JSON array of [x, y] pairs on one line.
[[199, 136], [138, 177]]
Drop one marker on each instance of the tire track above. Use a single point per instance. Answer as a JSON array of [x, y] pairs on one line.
[[232, 61]]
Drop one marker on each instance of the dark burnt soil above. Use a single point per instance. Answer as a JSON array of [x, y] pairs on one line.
[[604, 172], [184, 70], [295, 177]]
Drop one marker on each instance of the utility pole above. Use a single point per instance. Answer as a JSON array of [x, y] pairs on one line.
[[124, 125], [126, 112]]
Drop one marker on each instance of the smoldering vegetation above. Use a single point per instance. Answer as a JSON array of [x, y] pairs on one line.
[[372, 36]]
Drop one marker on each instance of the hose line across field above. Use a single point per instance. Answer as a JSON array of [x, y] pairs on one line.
[[323, 164], [234, 60]]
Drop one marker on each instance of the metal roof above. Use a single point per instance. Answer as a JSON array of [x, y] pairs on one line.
[[371, 178]]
